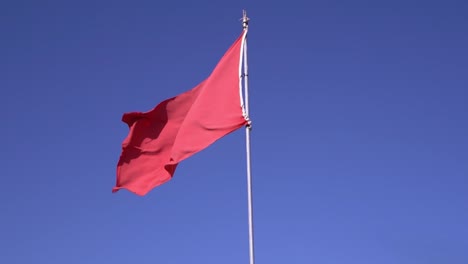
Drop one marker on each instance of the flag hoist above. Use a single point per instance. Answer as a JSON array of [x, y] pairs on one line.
[[179, 127]]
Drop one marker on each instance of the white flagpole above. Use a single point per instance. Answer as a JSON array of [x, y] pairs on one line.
[[248, 128]]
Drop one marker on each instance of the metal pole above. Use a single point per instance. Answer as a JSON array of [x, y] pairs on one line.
[[248, 128]]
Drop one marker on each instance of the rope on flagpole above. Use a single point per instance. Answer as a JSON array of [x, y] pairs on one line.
[[248, 128]]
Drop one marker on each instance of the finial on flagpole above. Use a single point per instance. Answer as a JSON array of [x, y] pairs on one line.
[[245, 19]]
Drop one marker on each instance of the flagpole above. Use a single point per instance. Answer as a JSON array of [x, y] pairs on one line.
[[248, 128]]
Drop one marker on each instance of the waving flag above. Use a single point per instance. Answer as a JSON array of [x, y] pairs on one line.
[[181, 126]]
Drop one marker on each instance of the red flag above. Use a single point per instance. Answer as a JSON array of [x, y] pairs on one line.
[[181, 126]]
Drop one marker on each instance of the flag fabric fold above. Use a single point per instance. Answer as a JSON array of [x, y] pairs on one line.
[[181, 126]]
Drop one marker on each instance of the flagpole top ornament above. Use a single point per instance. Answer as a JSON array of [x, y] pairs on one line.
[[245, 19]]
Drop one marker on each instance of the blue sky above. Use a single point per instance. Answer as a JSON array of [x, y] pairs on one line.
[[360, 138]]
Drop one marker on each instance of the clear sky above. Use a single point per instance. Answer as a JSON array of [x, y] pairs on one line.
[[359, 144]]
